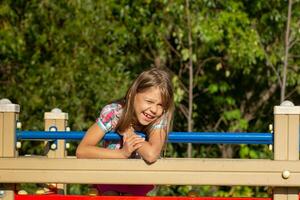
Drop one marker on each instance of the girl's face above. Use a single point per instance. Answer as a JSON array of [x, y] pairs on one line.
[[148, 105]]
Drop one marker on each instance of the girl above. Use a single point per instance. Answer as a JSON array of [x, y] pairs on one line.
[[147, 107]]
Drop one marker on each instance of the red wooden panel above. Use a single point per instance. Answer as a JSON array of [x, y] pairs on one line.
[[77, 197]]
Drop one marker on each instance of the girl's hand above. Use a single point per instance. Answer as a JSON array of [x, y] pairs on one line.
[[128, 132], [131, 142]]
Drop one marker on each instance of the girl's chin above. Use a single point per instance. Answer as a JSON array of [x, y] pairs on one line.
[[144, 122]]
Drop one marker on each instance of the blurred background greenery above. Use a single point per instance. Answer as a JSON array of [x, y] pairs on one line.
[[80, 55]]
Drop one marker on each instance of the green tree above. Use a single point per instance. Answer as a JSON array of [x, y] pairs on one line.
[[79, 55]]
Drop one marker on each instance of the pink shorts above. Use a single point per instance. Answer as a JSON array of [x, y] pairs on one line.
[[135, 190]]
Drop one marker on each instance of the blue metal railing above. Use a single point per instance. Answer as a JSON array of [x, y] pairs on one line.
[[173, 137]]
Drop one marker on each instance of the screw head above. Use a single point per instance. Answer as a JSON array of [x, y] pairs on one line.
[[286, 174], [53, 146], [19, 125], [19, 145], [67, 145]]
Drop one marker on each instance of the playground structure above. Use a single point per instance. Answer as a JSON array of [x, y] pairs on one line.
[[282, 173]]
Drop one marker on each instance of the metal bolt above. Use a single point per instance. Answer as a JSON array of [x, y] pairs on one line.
[[53, 128], [19, 145], [286, 174], [19, 125], [67, 145], [53, 146], [271, 147], [271, 128]]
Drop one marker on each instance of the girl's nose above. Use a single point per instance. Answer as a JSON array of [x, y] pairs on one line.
[[153, 109]]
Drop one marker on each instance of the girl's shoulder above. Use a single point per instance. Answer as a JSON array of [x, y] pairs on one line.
[[162, 122], [109, 116], [112, 108]]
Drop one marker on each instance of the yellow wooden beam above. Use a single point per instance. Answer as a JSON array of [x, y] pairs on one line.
[[180, 171]]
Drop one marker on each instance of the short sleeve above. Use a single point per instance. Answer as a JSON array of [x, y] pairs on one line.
[[161, 123], [109, 117]]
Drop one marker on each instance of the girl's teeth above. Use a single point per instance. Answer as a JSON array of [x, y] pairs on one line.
[[148, 116]]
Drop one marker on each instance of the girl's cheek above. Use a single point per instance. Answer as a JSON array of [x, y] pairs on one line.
[[160, 112]]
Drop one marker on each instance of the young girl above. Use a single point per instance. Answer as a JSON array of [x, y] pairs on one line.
[[147, 107]]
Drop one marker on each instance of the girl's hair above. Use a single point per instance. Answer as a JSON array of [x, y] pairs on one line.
[[154, 77]]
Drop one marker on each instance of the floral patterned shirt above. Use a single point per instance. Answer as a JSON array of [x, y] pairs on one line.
[[109, 117]]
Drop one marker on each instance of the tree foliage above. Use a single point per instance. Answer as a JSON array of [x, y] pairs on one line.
[[79, 55]]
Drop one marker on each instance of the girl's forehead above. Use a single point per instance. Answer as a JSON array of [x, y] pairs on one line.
[[153, 92]]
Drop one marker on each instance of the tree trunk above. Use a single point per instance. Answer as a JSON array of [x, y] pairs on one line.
[[286, 55], [190, 66]]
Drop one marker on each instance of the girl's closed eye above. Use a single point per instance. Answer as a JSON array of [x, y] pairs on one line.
[[149, 101]]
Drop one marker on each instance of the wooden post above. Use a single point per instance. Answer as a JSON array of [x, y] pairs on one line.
[[8, 116], [286, 144], [57, 120], [7, 195]]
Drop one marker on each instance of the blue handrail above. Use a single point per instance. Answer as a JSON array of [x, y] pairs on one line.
[[173, 137]]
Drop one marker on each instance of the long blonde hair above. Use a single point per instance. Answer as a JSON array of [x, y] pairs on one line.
[[153, 77]]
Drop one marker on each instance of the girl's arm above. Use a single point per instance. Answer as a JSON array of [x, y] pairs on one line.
[[88, 146], [150, 150]]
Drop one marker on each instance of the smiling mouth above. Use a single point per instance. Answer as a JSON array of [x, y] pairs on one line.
[[148, 117]]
